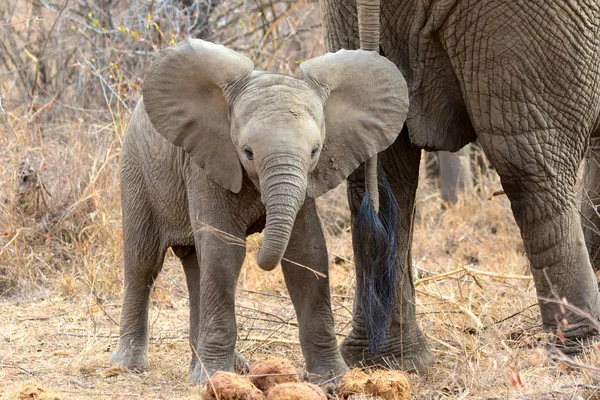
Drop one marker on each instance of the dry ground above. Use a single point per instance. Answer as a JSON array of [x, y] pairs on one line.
[[475, 302]]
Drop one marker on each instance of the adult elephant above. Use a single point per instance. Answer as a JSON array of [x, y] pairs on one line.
[[523, 77]]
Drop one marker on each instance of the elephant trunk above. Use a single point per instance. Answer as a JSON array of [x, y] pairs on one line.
[[283, 185]]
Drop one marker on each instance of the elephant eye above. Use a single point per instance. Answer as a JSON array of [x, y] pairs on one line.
[[314, 151], [248, 153]]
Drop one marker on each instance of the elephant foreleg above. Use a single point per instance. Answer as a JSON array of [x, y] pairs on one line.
[[189, 261], [220, 265], [310, 295], [404, 346]]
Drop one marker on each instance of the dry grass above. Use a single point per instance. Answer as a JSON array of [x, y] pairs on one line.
[[60, 254], [484, 328]]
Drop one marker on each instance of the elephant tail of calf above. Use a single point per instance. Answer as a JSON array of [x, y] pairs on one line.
[[375, 246]]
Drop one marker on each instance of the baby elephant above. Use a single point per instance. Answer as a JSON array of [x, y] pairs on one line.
[[215, 144]]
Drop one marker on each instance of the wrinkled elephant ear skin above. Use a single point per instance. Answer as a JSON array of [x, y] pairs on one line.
[[365, 102], [186, 103]]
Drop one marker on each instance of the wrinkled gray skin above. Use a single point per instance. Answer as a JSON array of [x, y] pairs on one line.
[[216, 151], [521, 76]]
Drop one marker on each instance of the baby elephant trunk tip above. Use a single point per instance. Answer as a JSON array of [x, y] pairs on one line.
[[283, 198], [278, 230], [266, 263]]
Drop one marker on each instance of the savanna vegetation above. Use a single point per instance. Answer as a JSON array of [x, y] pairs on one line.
[[71, 72]]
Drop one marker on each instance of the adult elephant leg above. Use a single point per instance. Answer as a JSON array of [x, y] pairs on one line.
[[404, 346], [452, 171], [455, 174], [310, 295], [590, 212], [545, 210], [189, 260]]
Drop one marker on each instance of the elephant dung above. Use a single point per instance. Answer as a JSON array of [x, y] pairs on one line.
[[388, 385], [271, 371], [353, 383], [34, 390], [296, 391], [230, 386]]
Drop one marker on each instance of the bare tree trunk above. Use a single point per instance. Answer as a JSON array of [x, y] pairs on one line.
[[41, 73]]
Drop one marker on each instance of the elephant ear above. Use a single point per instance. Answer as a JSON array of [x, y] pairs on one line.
[[365, 103], [185, 100]]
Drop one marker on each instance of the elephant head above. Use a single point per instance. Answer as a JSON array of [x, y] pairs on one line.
[[292, 137]]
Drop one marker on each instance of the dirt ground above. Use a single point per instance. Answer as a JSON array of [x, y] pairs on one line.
[[475, 303]]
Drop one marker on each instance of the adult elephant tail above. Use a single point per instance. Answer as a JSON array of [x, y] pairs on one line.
[[375, 252], [375, 226]]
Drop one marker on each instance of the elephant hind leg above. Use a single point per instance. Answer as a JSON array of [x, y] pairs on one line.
[[535, 136], [455, 174], [590, 202], [541, 189], [189, 261], [404, 346], [143, 256]]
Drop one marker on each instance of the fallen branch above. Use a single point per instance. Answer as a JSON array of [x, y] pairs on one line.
[[455, 304], [497, 275], [437, 276], [270, 340], [474, 272]]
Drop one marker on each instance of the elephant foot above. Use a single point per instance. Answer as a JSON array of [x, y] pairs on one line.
[[572, 342], [130, 356], [578, 331], [410, 354], [570, 348], [327, 377], [202, 373], [240, 364]]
